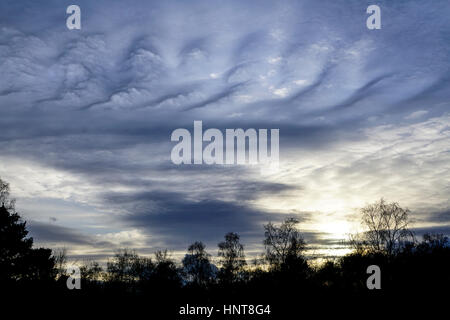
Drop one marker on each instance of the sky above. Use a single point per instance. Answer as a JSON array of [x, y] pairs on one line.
[[86, 117]]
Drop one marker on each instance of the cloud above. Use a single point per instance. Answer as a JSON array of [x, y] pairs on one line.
[[87, 115], [178, 219], [439, 217], [416, 114], [52, 233]]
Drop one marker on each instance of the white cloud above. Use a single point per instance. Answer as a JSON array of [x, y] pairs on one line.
[[300, 82], [416, 114], [282, 92], [274, 60]]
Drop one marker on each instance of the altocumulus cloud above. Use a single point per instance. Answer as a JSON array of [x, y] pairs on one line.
[[86, 115]]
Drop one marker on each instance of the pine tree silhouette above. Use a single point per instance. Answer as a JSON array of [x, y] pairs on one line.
[[18, 260]]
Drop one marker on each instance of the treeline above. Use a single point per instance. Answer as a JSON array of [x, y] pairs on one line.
[[407, 265], [281, 275]]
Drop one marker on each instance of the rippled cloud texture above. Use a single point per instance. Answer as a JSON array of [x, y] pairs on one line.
[[86, 117]]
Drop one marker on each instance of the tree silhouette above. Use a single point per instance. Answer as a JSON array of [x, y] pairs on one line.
[[433, 242], [91, 271], [197, 265], [126, 267], [231, 252], [122, 268], [387, 228], [18, 260], [5, 200], [166, 275], [284, 244]]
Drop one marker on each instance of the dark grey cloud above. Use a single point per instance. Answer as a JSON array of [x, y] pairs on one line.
[[180, 220], [440, 217], [53, 233]]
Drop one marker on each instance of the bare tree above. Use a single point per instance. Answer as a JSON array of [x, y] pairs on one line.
[[127, 266], [163, 257], [166, 274], [60, 257], [387, 228], [91, 271], [197, 264], [284, 244], [5, 199], [231, 252]]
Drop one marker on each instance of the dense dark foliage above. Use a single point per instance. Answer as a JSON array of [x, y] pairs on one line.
[[19, 262]]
